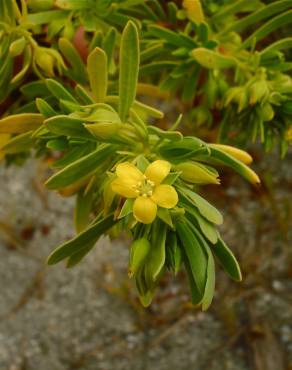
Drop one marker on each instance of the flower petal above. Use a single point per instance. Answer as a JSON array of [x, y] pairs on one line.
[[165, 196], [157, 171], [123, 188], [128, 172], [144, 210]]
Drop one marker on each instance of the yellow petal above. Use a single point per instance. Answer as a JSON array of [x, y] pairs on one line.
[[157, 171], [123, 188], [129, 172], [144, 210], [165, 196]]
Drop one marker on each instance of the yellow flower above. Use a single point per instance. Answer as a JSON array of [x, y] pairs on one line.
[[146, 188]]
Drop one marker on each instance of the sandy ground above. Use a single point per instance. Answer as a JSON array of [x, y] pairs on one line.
[[88, 318]]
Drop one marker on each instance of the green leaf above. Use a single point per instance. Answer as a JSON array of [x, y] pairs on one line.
[[44, 108], [204, 207], [59, 91], [255, 17], [196, 295], [285, 43], [59, 144], [165, 216], [75, 258], [183, 149], [19, 143], [73, 57], [207, 227], [82, 209], [47, 17], [173, 253], [171, 37], [84, 95], [72, 155], [227, 260], [195, 254], [81, 168], [170, 135], [68, 126], [210, 279], [267, 28], [127, 208], [90, 235], [157, 66], [34, 90], [20, 123], [97, 72], [156, 257], [129, 67], [210, 283], [235, 164]]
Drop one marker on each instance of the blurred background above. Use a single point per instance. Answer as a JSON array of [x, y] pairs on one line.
[[89, 318]]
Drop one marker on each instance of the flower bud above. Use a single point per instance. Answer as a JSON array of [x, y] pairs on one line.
[[239, 154], [194, 10], [267, 112], [197, 173], [258, 91], [44, 61], [211, 59], [103, 130], [139, 251], [17, 47]]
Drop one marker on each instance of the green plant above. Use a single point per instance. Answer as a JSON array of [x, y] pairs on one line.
[[128, 173]]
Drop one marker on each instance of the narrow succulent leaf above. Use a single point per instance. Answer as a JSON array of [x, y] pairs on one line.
[[79, 169], [227, 260], [195, 254], [90, 235], [82, 209], [73, 57], [59, 91], [275, 7], [98, 74], [75, 258], [235, 164], [129, 67], [68, 126], [267, 28], [19, 143], [20, 123], [204, 207]]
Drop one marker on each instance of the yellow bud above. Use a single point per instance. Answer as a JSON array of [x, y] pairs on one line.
[[197, 173], [45, 61], [17, 47], [103, 130], [267, 112], [258, 91], [139, 251], [211, 59], [239, 154], [194, 10]]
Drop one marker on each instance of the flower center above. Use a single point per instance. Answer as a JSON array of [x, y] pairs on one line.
[[144, 188]]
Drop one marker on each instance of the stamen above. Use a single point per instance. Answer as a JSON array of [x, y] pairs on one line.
[[137, 191], [144, 195], [150, 192]]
